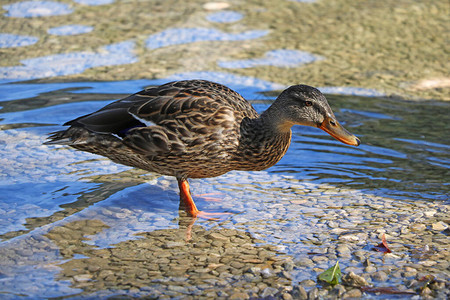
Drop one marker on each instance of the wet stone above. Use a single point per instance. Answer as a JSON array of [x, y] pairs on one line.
[[173, 244], [254, 270], [308, 282], [352, 294], [239, 295], [426, 292], [343, 251], [418, 227], [439, 226], [82, 277], [287, 296], [338, 290], [313, 294], [299, 292], [351, 279], [218, 236], [319, 258], [379, 276], [269, 291], [304, 262]]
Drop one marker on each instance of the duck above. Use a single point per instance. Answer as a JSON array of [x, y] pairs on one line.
[[198, 129]]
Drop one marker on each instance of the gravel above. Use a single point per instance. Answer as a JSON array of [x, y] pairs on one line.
[[274, 248]]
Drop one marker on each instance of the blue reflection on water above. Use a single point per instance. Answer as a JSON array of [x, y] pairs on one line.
[[28, 9], [348, 90], [70, 63], [226, 16], [70, 29], [250, 87], [371, 114], [94, 2], [313, 154], [8, 40], [279, 58], [177, 36], [46, 187]]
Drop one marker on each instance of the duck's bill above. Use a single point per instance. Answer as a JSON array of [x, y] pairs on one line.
[[333, 128]]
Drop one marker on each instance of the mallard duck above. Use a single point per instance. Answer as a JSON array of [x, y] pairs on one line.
[[198, 129]]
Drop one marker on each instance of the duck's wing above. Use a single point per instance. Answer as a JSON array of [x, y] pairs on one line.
[[186, 117], [173, 118], [115, 117]]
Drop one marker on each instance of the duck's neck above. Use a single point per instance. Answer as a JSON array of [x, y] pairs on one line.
[[272, 118], [264, 140]]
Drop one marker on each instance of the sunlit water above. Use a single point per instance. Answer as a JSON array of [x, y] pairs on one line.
[[404, 158]]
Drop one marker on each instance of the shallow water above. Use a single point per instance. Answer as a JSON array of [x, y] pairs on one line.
[[68, 216]]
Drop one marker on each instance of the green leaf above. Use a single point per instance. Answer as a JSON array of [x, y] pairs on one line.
[[332, 275]]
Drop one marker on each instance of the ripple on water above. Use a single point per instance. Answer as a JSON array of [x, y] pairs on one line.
[[226, 16], [279, 58], [8, 40], [94, 2], [70, 63], [28, 9], [371, 114], [80, 213], [250, 87], [73, 29], [348, 90], [178, 36]]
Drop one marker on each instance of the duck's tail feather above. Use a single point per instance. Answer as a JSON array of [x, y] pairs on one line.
[[62, 138]]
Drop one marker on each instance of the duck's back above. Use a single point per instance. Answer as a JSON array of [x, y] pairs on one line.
[[186, 128]]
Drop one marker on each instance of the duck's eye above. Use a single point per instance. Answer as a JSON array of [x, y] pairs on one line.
[[308, 103]]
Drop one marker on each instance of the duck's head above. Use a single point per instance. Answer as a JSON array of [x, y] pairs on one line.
[[305, 105]]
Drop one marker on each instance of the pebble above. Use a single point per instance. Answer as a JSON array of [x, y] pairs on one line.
[[287, 296], [379, 276], [269, 291], [308, 282], [216, 5], [173, 245], [418, 227], [304, 262], [82, 277], [427, 263], [239, 295], [319, 258], [351, 279], [299, 292], [337, 291], [439, 226], [313, 294], [352, 294], [430, 213], [343, 251]]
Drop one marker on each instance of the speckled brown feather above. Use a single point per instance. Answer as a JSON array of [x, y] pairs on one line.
[[187, 129]]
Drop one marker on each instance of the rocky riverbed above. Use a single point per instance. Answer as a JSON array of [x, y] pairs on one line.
[[281, 235]]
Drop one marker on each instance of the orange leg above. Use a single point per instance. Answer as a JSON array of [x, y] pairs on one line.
[[187, 203], [186, 200]]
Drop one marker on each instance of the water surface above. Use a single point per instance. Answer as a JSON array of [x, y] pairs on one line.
[[72, 223]]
